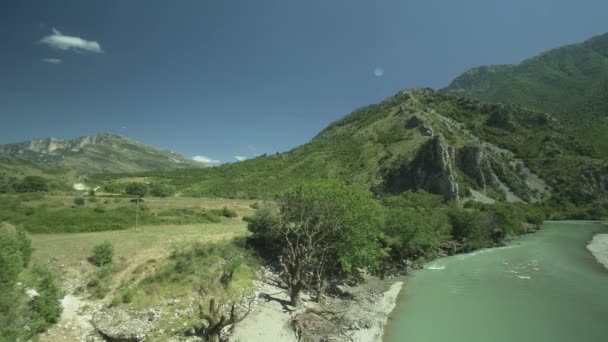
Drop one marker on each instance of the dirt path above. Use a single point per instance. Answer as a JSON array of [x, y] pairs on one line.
[[269, 321]]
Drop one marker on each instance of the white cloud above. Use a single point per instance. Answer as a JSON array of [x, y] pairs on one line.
[[52, 60], [240, 158], [379, 71], [206, 160], [60, 41]]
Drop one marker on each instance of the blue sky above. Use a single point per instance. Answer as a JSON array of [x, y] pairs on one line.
[[227, 78]]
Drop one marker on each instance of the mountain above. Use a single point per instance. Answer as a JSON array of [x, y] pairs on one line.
[[99, 153], [420, 139], [570, 82]]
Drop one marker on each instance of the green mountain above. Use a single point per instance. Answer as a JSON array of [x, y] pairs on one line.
[[99, 153], [420, 139], [570, 82]]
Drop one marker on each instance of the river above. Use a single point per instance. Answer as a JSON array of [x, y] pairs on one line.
[[540, 287]]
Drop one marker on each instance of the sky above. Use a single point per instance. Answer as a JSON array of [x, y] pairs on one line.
[[227, 80]]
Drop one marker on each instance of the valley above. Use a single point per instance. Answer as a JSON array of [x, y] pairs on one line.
[[474, 211]]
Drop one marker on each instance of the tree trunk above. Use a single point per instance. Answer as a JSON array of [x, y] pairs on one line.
[[295, 298], [214, 338]]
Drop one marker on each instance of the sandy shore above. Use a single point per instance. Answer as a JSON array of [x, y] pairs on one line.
[[599, 248], [366, 314], [380, 311]]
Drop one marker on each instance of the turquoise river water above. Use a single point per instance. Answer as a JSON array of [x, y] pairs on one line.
[[541, 287]]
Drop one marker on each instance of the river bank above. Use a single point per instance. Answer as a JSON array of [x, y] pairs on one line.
[[360, 315], [599, 248]]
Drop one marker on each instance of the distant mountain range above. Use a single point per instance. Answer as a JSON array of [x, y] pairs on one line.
[[99, 153], [570, 82]]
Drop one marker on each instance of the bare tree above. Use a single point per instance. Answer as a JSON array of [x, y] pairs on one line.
[[306, 231], [217, 320]]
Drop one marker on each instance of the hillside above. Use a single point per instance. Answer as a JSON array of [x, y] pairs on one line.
[[570, 82], [418, 139], [12, 171], [99, 153]]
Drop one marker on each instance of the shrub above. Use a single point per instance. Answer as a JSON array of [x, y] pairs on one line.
[[25, 246], [161, 190], [32, 184], [226, 212], [46, 308], [414, 233], [78, 201], [136, 189], [472, 227], [264, 232], [102, 254]]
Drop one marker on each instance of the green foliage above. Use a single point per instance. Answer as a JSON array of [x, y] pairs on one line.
[[136, 189], [46, 308], [112, 187], [467, 228], [78, 200], [22, 317], [226, 212], [353, 218], [24, 244], [32, 184], [569, 82], [416, 225], [187, 216], [193, 267], [161, 189], [263, 226], [102, 254]]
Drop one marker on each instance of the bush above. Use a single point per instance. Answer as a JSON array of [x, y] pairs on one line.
[[32, 184], [46, 308], [467, 228], [414, 233], [102, 254], [264, 232], [25, 246], [161, 190], [136, 189], [229, 212], [78, 201]]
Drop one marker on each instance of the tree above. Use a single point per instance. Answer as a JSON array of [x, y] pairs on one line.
[[265, 235], [161, 190], [136, 189], [329, 230], [32, 184], [416, 232], [217, 320], [467, 227]]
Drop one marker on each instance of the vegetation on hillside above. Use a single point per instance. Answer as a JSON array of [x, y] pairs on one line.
[[570, 82], [30, 295], [49, 214], [377, 142], [326, 232]]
